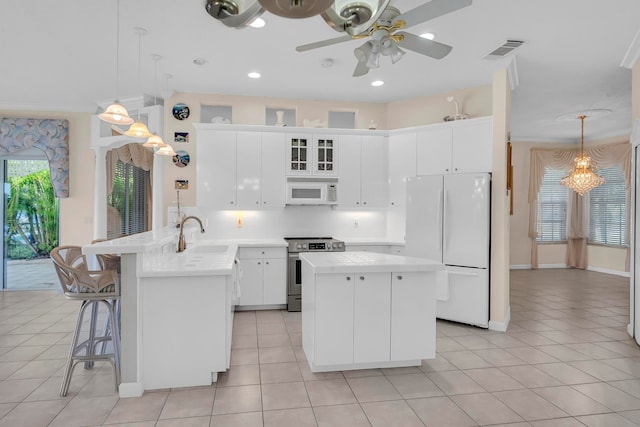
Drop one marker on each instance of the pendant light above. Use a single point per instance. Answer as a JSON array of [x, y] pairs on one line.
[[116, 113], [154, 140], [139, 129], [582, 178]]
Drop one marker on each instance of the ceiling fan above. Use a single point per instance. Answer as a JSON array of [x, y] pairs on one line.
[[385, 40]]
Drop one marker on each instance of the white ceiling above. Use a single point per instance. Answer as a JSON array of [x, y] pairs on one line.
[[61, 55]]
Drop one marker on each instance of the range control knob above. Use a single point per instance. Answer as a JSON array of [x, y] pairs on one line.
[[299, 246], [304, 246]]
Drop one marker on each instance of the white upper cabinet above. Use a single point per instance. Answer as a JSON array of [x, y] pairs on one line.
[[402, 165], [248, 169], [456, 147], [216, 169], [363, 175], [273, 168], [240, 169], [309, 154]]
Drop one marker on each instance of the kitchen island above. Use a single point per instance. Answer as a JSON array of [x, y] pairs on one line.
[[364, 310], [176, 308]]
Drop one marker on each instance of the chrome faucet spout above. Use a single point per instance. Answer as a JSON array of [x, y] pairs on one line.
[[182, 244]]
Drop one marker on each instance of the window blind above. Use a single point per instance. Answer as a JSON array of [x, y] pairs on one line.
[[129, 198], [608, 209], [552, 208]]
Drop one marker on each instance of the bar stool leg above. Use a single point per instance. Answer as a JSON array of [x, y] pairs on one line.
[[66, 379], [91, 343]]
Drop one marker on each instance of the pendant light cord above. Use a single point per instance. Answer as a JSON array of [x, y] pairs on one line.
[[582, 136], [117, 48]]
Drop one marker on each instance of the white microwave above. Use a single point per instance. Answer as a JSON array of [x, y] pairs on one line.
[[305, 191]]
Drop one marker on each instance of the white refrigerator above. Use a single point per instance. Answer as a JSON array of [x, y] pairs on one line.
[[448, 220]]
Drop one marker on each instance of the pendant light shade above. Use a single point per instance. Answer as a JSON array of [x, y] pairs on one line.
[[138, 130], [167, 150], [582, 177], [154, 141], [116, 113]]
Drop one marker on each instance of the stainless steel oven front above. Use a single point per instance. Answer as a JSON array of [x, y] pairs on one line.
[[294, 266]]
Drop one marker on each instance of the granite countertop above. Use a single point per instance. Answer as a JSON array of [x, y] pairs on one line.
[[366, 262]]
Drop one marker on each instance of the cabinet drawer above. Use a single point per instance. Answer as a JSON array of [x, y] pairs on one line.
[[255, 252]]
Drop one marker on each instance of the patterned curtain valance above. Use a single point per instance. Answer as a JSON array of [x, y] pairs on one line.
[[48, 135]]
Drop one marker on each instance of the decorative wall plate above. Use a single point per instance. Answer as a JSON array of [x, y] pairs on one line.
[[181, 159], [180, 111]]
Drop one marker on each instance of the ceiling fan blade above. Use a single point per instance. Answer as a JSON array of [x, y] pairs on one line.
[[361, 69], [431, 10], [424, 46], [323, 43]]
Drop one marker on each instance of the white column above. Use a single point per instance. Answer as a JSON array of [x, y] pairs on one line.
[[100, 194], [157, 192]]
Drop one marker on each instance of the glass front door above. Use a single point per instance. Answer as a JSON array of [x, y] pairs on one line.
[[30, 223]]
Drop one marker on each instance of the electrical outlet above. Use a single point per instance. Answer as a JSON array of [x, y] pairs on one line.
[[355, 222]]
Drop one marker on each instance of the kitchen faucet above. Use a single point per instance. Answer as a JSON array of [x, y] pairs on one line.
[[182, 244]]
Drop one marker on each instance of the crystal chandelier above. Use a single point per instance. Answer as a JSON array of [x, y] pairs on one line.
[[582, 178]]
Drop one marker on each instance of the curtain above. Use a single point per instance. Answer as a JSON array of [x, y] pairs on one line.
[[48, 135], [577, 210], [134, 154]]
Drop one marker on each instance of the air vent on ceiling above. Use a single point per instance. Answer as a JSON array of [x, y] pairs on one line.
[[502, 51]]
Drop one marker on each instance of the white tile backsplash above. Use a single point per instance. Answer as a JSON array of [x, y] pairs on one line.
[[289, 221]]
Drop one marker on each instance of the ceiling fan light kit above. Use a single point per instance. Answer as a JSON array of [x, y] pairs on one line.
[[234, 14]]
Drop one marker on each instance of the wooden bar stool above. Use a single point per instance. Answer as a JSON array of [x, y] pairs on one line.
[[92, 287]]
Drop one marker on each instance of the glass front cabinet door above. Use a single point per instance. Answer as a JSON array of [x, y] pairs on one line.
[[312, 155]]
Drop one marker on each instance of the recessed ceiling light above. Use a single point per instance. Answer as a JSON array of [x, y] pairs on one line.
[[429, 36], [257, 23], [199, 61], [377, 83], [254, 75]]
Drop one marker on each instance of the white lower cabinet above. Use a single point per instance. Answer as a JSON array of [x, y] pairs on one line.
[[264, 276], [366, 320], [371, 317]]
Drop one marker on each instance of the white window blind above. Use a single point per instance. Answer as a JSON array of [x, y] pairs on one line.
[[608, 209], [552, 208], [129, 198]]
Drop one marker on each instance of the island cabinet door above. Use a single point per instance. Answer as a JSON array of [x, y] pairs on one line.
[[372, 318], [251, 289], [413, 316], [334, 319]]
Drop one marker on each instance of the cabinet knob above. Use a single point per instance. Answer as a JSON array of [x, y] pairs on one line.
[[364, 203], [348, 278], [399, 277], [259, 263], [264, 203], [257, 202], [361, 277], [357, 203], [231, 202], [447, 170], [456, 169], [262, 252], [266, 262], [393, 203]]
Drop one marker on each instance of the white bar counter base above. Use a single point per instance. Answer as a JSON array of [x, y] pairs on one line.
[[176, 308], [363, 310]]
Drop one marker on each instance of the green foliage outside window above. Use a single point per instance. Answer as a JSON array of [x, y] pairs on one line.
[[32, 216]]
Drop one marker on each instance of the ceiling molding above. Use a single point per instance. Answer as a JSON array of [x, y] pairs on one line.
[[512, 72], [624, 133], [65, 108], [633, 53]]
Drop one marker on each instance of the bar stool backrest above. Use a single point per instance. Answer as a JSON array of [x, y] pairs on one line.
[[77, 280]]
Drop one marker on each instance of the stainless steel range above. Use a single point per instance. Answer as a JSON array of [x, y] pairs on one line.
[[294, 266]]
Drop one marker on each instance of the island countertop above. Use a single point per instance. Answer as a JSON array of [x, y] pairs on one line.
[[366, 262]]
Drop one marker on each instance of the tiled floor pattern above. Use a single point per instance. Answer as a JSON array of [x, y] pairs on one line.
[[565, 361], [31, 274]]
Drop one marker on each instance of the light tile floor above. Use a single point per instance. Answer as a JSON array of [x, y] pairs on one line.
[[31, 274], [565, 361]]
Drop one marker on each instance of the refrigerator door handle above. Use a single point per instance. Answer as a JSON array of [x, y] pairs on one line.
[[461, 273], [440, 219], [444, 222]]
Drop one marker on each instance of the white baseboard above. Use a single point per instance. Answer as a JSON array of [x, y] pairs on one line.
[[630, 329], [131, 389], [609, 271], [501, 326], [520, 267]]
